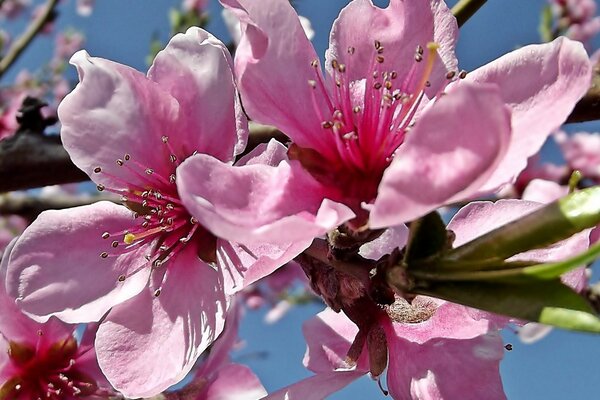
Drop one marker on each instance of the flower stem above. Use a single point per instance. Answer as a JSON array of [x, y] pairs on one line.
[[25, 39], [465, 9]]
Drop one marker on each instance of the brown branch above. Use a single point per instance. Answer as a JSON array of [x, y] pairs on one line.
[[33, 160], [588, 108], [30, 207], [25, 39], [465, 9], [30, 160]]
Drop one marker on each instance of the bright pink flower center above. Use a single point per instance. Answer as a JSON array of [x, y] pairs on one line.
[[161, 221], [368, 120], [47, 372]]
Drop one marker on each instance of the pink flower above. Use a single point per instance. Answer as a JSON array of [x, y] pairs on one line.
[[67, 43], [198, 6], [582, 152], [85, 7], [158, 274], [388, 132], [217, 377], [432, 349], [577, 18], [12, 9], [45, 360]]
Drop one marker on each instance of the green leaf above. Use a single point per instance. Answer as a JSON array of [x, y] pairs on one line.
[[545, 28], [427, 237], [548, 225], [516, 272], [546, 301]]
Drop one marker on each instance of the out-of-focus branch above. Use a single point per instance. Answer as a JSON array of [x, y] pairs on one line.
[[31, 32], [31, 160], [465, 9], [588, 108], [30, 207]]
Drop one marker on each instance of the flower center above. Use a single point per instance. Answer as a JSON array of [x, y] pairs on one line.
[[46, 372], [161, 220], [367, 121], [419, 310]]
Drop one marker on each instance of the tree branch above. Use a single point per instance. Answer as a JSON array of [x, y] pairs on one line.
[[465, 9], [25, 39], [588, 108]]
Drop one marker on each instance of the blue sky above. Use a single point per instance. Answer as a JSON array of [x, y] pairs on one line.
[[562, 366]]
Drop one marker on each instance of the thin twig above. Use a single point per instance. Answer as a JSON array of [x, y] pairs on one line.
[[465, 9], [25, 39]]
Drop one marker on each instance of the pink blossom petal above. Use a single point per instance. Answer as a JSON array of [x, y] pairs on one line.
[[542, 191], [541, 83], [273, 37], [316, 387], [75, 284], [533, 332], [394, 237], [148, 343], [328, 338], [257, 203], [195, 68], [444, 158], [116, 110], [446, 369], [234, 382], [400, 28], [243, 265]]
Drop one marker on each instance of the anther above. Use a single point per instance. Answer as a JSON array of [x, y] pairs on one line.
[[164, 139], [173, 158], [157, 293], [127, 157], [427, 83], [388, 85], [326, 124], [193, 221], [172, 178], [508, 347], [380, 59], [149, 171], [420, 50], [120, 162], [124, 199], [377, 44], [97, 170], [377, 86], [114, 243], [418, 57], [163, 248], [314, 63], [393, 75], [335, 64], [145, 194], [462, 74], [103, 254], [100, 187], [351, 50], [169, 206], [375, 74], [342, 68], [157, 263], [312, 83], [40, 332], [121, 278], [450, 74], [356, 109], [105, 235]]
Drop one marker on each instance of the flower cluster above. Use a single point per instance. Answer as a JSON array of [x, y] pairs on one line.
[[384, 132]]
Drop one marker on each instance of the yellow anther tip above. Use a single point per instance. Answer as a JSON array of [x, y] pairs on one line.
[[129, 238], [433, 46]]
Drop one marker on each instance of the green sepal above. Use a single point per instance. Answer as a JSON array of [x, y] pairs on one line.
[[427, 237], [548, 225], [545, 301]]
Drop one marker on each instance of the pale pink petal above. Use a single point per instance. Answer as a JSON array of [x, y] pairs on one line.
[[444, 369], [271, 153], [328, 338], [316, 387], [451, 151], [257, 203], [541, 83], [55, 267], [148, 343], [393, 238], [273, 67], [542, 191], [400, 28], [581, 151], [195, 68], [449, 321], [533, 332], [243, 265], [116, 110], [234, 382]]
